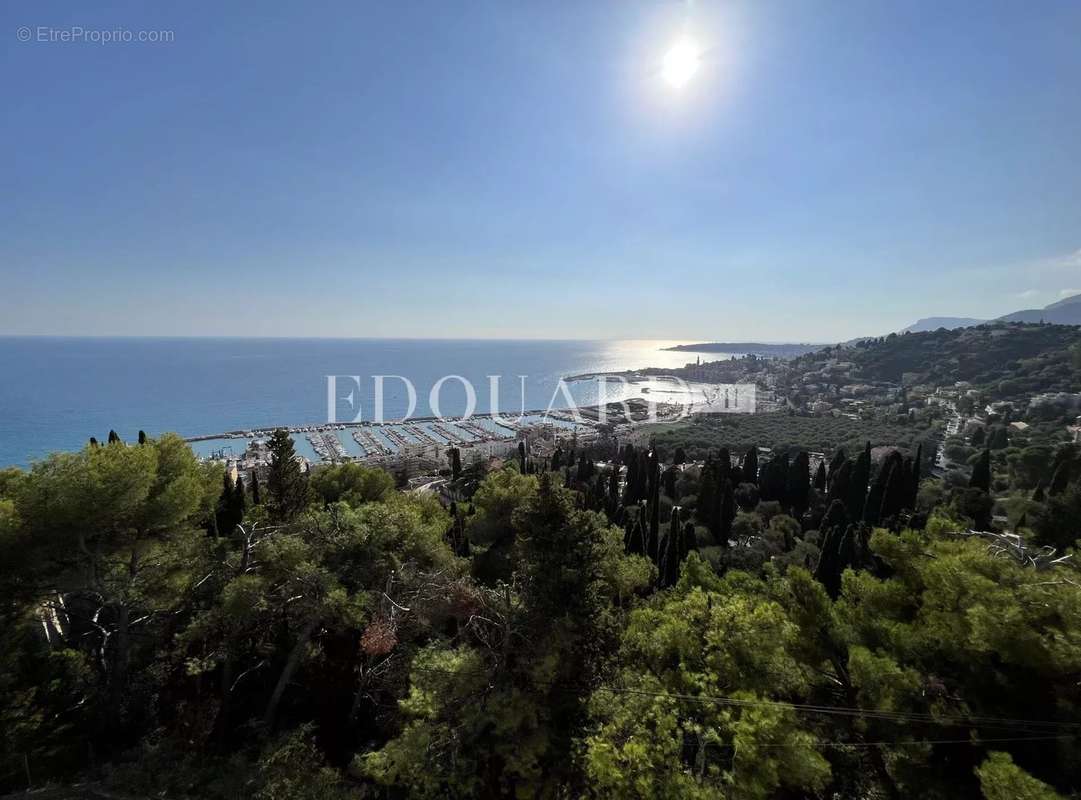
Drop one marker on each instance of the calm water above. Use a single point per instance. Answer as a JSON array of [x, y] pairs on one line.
[[55, 393]]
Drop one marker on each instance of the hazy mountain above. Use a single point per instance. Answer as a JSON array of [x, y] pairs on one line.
[[781, 350], [934, 323], [1064, 312]]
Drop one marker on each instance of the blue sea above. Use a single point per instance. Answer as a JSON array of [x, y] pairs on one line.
[[55, 393]]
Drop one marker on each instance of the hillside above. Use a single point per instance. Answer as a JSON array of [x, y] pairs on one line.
[[1018, 358]]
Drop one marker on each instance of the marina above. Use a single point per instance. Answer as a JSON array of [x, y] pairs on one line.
[[383, 444]]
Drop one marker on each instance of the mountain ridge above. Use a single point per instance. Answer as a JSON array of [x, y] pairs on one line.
[[1066, 311]]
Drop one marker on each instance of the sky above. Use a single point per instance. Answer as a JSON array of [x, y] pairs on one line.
[[499, 169]]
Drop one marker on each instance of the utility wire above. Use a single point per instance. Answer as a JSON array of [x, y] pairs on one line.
[[1033, 726]]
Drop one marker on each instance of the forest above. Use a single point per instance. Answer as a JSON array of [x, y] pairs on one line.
[[626, 624]]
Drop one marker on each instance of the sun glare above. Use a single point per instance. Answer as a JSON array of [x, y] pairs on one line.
[[680, 63]]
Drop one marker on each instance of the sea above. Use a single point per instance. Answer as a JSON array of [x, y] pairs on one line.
[[57, 392]]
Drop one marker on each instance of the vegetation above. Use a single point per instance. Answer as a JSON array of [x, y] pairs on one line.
[[788, 433], [1012, 359], [714, 614]]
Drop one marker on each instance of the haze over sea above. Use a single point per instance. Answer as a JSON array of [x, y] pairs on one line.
[[55, 393]]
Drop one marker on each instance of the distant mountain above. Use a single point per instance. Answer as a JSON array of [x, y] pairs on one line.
[[1064, 312], [934, 323], [787, 350]]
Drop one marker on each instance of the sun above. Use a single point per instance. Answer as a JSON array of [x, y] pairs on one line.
[[680, 63]]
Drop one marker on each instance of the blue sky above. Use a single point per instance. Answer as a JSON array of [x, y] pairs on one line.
[[520, 169]]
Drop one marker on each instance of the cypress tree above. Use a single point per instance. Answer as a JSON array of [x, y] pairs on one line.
[[672, 555], [981, 472], [978, 436], [872, 506], [142, 437], [772, 479], [287, 486], [680, 456], [839, 481], [914, 481], [838, 459], [895, 490], [255, 498], [93, 442], [750, 465], [707, 495], [654, 507], [728, 513], [521, 457], [670, 482], [455, 456], [836, 516], [690, 538], [999, 438], [631, 460], [240, 501], [820, 476], [114, 437], [1060, 479], [636, 535], [857, 487], [1038, 493], [798, 484], [223, 514], [613, 490]]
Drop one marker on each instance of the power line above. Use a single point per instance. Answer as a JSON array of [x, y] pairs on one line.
[[886, 716]]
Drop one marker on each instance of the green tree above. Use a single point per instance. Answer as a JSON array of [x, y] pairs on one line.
[[981, 472], [1001, 779], [287, 486]]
